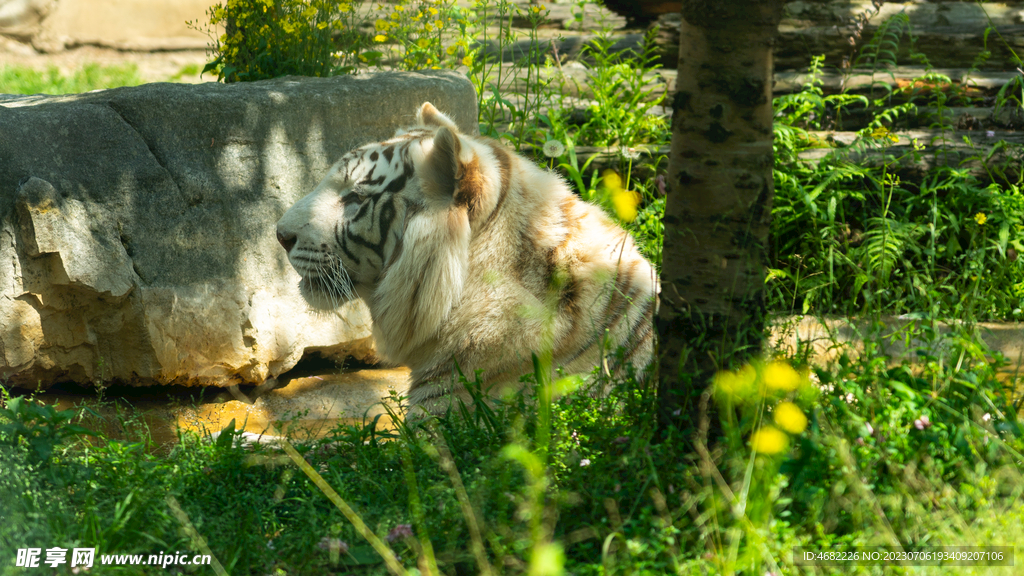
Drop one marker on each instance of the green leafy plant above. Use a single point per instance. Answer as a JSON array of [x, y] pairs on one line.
[[881, 53], [39, 426], [850, 235], [626, 90], [271, 38], [415, 33]]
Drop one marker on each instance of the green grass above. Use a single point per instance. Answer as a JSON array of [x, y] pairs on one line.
[[615, 497], [25, 80]]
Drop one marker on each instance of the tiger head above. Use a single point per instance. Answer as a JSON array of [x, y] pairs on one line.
[[391, 218]]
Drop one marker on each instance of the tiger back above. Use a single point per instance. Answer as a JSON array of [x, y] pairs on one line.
[[470, 258]]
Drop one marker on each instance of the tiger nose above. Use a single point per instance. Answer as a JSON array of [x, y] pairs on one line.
[[286, 240]]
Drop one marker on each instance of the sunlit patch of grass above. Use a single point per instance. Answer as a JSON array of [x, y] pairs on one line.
[[26, 80], [187, 71]]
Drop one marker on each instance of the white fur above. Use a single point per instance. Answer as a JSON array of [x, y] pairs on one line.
[[476, 285]]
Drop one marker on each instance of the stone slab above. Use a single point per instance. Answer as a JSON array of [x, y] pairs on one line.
[[137, 225]]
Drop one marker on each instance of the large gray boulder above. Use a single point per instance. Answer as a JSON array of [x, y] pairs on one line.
[[137, 225]]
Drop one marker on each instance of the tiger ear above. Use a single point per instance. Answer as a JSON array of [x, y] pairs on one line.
[[444, 169], [430, 116]]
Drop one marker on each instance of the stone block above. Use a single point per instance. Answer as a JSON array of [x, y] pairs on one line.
[[137, 225]]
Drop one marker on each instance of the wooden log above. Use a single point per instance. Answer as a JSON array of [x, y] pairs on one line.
[[997, 158], [961, 118], [859, 81], [642, 12], [949, 34], [649, 161], [647, 10]]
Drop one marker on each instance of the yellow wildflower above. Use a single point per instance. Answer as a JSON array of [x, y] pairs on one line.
[[790, 418], [382, 25], [468, 60], [344, 7], [428, 27], [309, 13], [738, 383], [380, 38], [769, 440], [883, 132], [980, 218], [451, 50], [395, 15], [624, 201], [432, 10], [781, 376], [423, 43], [321, 25], [399, 8]]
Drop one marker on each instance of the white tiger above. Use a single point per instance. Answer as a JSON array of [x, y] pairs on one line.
[[469, 258]]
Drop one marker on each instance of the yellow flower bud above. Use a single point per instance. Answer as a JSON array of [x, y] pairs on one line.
[[790, 418], [769, 440], [781, 376]]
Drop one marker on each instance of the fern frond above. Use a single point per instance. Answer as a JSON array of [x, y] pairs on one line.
[[880, 53]]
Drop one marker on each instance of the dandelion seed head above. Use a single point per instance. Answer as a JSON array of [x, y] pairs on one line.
[[553, 149]]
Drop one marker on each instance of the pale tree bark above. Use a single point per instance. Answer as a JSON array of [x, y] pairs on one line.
[[720, 190]]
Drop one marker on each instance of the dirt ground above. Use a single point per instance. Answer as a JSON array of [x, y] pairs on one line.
[[152, 66]]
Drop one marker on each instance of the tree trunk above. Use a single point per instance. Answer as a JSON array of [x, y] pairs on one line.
[[720, 192]]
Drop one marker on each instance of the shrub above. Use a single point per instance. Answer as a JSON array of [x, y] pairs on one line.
[[271, 38]]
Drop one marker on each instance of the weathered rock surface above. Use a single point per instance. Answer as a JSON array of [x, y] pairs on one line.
[[137, 237], [21, 18], [53, 25]]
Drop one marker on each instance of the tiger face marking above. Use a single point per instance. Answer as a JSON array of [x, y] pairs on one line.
[[458, 246], [340, 237]]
